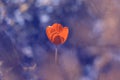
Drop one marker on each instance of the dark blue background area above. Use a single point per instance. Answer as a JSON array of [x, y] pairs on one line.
[[35, 29]]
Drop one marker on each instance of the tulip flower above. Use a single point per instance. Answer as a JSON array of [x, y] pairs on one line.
[[57, 34]]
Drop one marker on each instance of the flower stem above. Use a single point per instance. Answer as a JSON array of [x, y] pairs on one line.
[[56, 55]]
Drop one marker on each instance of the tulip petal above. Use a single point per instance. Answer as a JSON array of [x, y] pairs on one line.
[[64, 34]]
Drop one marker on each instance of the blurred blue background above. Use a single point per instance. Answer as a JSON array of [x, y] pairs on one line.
[[91, 52]]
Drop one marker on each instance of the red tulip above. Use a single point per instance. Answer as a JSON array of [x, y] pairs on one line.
[[57, 34]]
